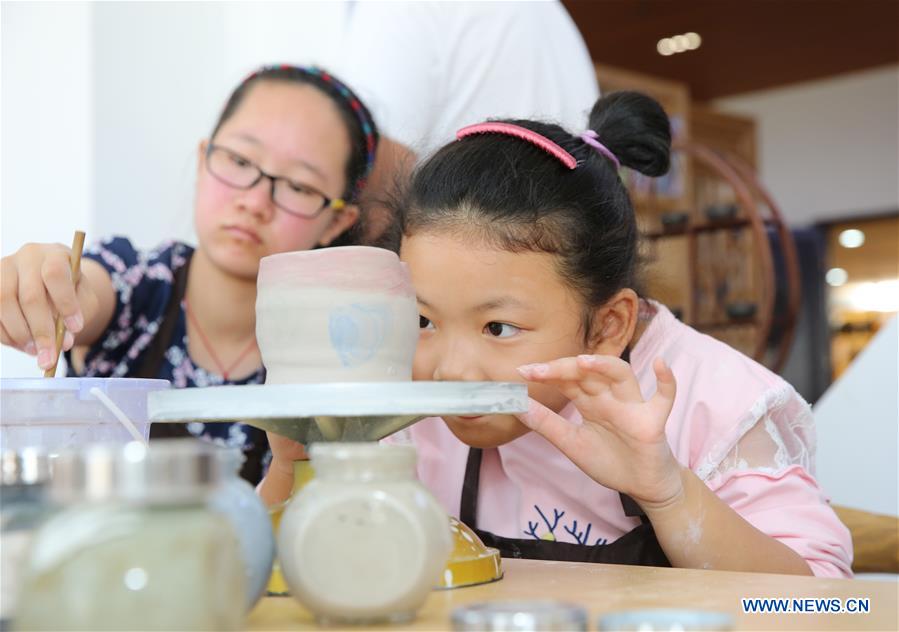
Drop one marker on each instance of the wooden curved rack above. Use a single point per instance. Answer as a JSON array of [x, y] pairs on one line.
[[793, 287], [758, 213]]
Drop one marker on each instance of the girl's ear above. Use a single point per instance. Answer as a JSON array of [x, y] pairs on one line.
[[341, 221], [614, 324]]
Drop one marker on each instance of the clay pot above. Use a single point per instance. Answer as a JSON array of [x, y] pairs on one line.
[[344, 314]]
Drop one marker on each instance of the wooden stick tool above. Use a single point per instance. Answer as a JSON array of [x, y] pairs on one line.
[[75, 261]]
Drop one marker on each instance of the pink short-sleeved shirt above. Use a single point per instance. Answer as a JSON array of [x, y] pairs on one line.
[[743, 430]]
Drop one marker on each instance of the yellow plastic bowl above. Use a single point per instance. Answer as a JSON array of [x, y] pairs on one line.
[[471, 562]]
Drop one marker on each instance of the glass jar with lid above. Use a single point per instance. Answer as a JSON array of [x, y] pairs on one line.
[[136, 545], [24, 475], [238, 501]]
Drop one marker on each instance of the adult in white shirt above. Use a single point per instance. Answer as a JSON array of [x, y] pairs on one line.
[[427, 69]]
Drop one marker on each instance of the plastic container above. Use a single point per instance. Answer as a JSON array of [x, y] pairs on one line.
[[471, 562], [68, 412]]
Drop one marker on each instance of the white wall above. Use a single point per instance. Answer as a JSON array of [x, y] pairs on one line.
[[163, 72], [158, 84], [830, 148], [104, 104], [858, 429], [47, 171]]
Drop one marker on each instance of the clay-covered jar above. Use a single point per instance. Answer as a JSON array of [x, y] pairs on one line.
[[364, 541]]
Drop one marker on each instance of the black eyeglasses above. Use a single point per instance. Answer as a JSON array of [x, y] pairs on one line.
[[292, 197]]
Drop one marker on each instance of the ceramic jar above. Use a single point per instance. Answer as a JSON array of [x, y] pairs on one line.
[[364, 541]]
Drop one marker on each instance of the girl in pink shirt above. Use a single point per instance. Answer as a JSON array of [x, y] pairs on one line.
[[522, 245]]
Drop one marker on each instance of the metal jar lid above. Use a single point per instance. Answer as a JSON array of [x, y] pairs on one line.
[[520, 615], [173, 471], [665, 620], [28, 466]]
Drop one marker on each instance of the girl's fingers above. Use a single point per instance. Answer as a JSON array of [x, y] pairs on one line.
[[56, 275], [666, 386], [562, 369], [593, 374], [554, 428], [68, 341], [618, 374], [88, 302], [9, 341], [574, 392], [604, 388], [38, 315], [15, 328], [285, 449], [613, 369], [567, 375]]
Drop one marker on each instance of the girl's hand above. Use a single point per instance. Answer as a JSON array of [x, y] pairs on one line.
[[278, 482], [286, 450], [622, 443], [36, 284]]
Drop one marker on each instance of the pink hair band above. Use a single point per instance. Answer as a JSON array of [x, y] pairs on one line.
[[508, 129], [592, 138]]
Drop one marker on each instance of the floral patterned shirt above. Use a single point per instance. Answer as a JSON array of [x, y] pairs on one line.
[[143, 283]]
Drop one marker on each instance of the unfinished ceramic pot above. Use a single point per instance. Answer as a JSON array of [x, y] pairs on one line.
[[345, 314]]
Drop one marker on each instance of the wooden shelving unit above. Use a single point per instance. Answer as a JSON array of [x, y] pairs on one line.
[[716, 250]]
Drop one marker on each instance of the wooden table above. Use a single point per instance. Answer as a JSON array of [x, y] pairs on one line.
[[602, 588]]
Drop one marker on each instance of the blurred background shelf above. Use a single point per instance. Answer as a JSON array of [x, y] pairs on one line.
[[717, 250]]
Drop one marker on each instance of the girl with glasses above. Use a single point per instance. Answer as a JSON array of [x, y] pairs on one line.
[[281, 171]]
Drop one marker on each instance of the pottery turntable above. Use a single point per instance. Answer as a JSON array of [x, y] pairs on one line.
[[337, 330]]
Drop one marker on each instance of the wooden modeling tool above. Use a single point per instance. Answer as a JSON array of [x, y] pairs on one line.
[[75, 261]]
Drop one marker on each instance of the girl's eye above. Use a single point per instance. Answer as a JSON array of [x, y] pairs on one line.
[[501, 330], [299, 188], [424, 323], [240, 162]]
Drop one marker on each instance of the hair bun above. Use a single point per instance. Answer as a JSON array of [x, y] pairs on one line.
[[636, 129]]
